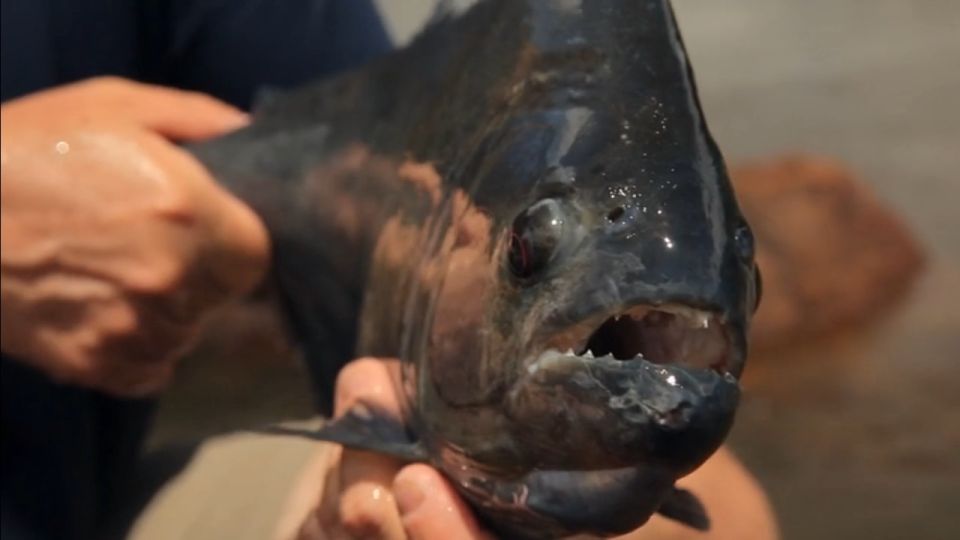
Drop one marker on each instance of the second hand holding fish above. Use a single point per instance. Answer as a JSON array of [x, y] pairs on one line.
[[368, 495]]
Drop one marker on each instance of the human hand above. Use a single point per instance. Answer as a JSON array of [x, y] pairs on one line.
[[371, 496], [114, 241]]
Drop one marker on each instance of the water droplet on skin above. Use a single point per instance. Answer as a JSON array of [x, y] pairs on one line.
[[62, 147]]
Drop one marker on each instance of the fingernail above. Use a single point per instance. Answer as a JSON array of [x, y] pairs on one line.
[[409, 492]]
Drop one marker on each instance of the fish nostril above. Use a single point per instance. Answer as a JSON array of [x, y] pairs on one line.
[[615, 214], [744, 242]]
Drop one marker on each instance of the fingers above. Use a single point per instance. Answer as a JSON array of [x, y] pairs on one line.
[[367, 498], [367, 508], [122, 376], [369, 380], [175, 114], [431, 509], [238, 249]]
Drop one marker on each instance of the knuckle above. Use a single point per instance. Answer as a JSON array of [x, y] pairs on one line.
[[160, 278], [365, 511], [368, 380], [110, 361], [356, 374], [176, 202], [116, 323]]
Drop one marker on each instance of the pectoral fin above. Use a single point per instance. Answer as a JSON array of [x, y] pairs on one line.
[[363, 427], [683, 506]]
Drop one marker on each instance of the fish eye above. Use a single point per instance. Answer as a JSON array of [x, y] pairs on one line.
[[535, 237]]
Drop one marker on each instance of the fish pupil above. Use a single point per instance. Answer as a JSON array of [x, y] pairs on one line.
[[615, 214], [519, 256], [535, 237]]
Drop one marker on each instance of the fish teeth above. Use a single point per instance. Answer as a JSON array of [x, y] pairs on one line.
[[588, 354], [703, 320]]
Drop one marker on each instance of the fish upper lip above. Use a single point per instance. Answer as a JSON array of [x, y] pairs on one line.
[[660, 334]]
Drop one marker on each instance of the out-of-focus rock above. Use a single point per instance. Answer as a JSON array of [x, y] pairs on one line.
[[830, 252]]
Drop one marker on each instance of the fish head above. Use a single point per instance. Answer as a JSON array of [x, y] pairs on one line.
[[625, 284], [610, 322], [628, 278]]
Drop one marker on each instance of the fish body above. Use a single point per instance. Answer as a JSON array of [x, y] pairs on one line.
[[526, 207]]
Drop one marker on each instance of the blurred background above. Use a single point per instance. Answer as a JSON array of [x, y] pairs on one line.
[[854, 432]]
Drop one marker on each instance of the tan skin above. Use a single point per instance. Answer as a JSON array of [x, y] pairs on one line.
[[116, 244]]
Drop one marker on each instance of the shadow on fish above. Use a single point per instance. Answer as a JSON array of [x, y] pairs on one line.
[[526, 207]]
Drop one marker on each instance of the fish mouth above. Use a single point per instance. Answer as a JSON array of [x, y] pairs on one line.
[[651, 384], [667, 334]]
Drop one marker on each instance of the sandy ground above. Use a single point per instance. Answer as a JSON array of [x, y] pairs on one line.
[[853, 437]]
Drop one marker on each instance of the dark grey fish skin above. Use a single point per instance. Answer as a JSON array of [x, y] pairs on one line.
[[527, 208]]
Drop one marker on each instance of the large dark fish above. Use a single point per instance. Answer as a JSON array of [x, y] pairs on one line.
[[526, 207]]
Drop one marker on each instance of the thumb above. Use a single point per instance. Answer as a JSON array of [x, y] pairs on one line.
[[176, 114], [430, 509], [234, 242], [240, 254]]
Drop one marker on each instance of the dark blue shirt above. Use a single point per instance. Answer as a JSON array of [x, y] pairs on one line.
[[66, 450], [228, 48]]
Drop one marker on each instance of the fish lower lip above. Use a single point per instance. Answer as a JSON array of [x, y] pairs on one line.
[[622, 412], [666, 334], [616, 500]]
